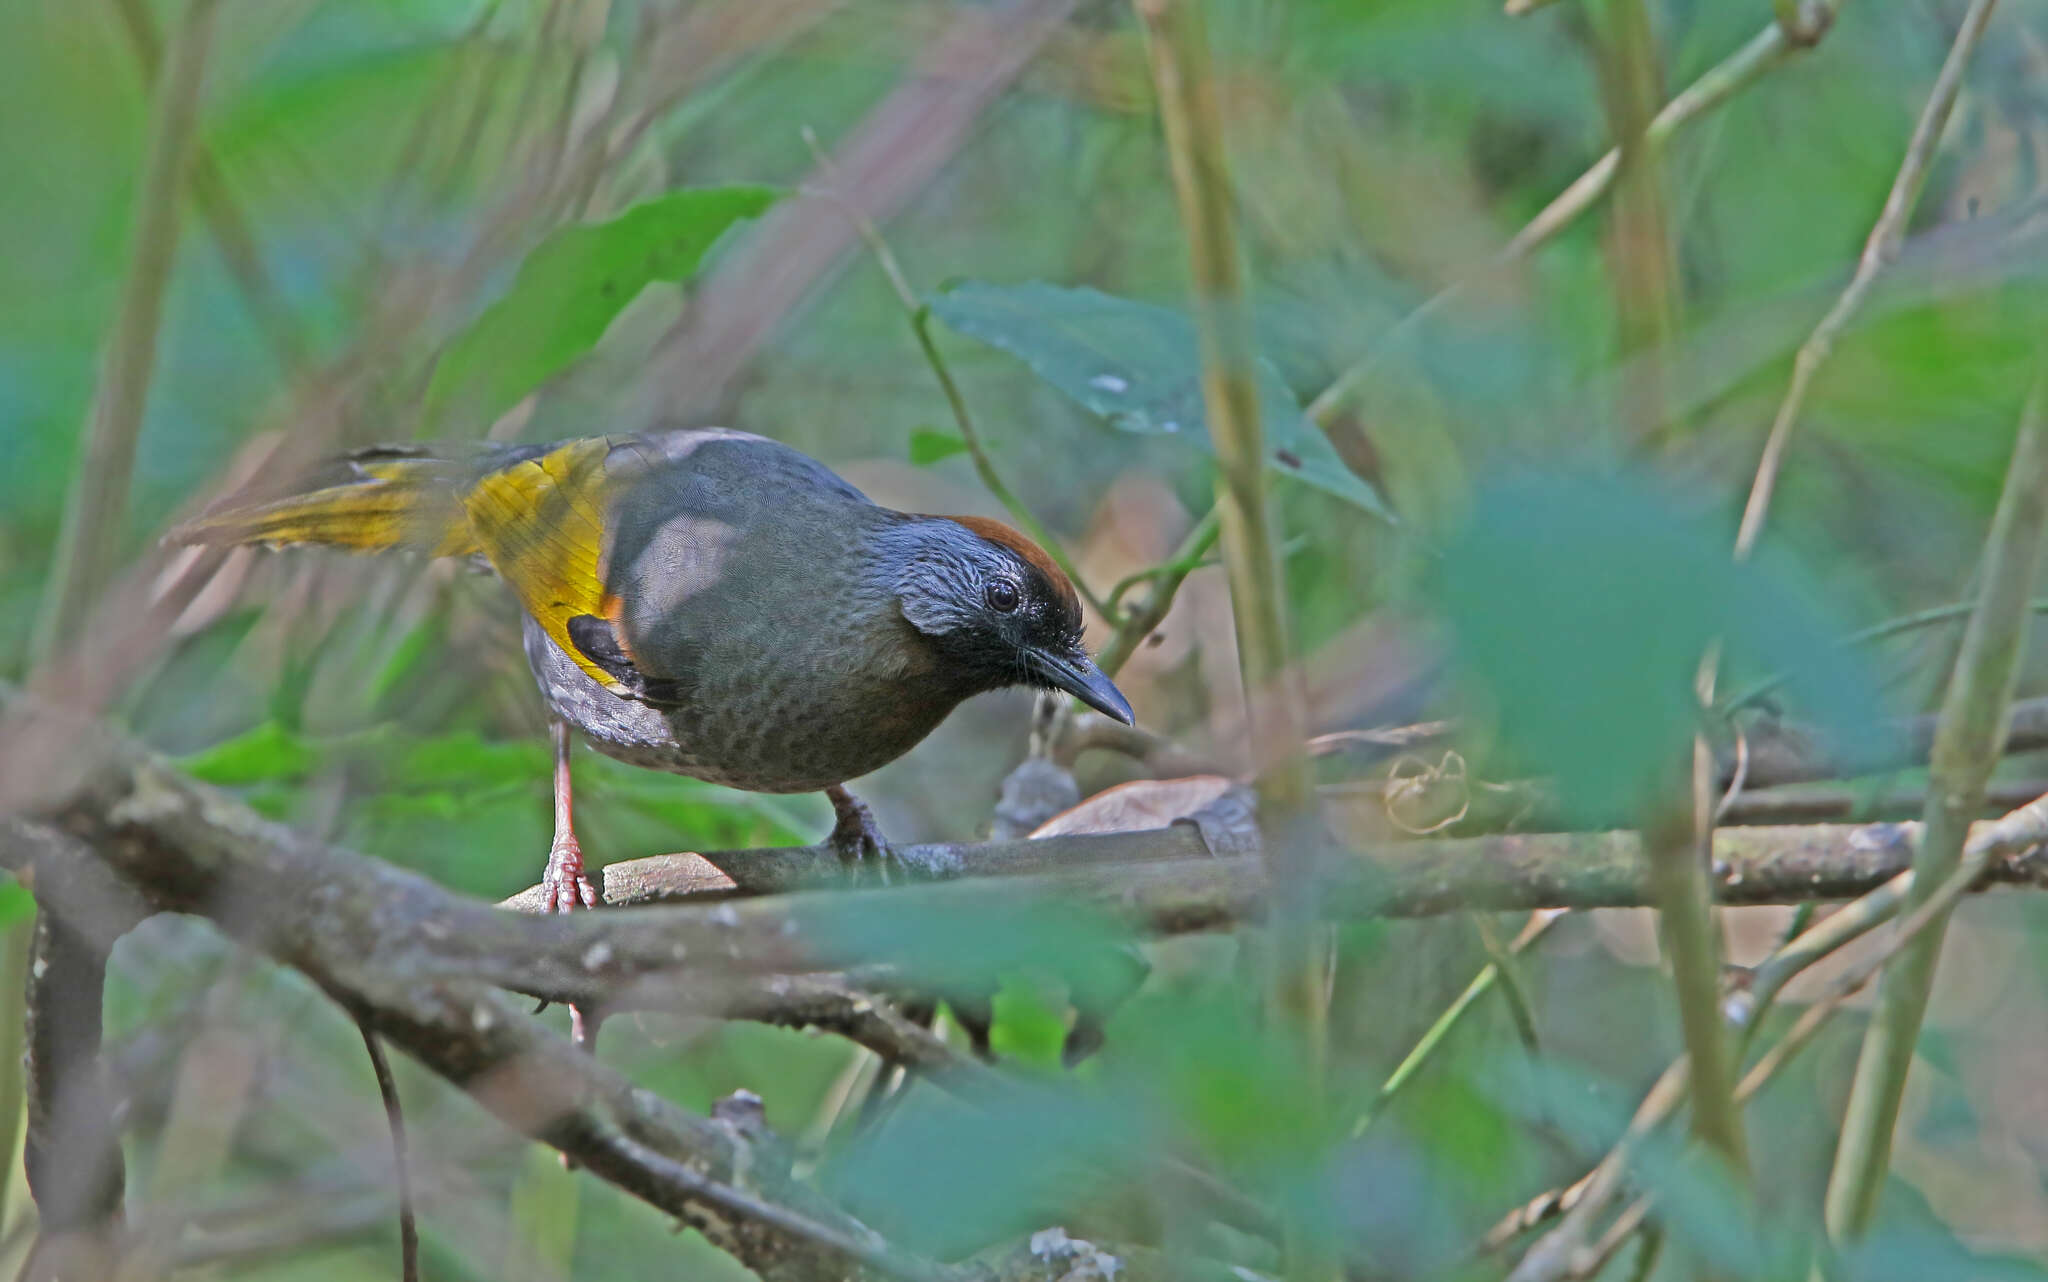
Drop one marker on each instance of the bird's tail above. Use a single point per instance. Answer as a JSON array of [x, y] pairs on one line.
[[390, 497]]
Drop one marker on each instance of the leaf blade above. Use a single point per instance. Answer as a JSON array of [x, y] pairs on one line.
[[1136, 366], [570, 288]]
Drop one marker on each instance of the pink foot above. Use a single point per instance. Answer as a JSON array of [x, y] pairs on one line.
[[564, 888]]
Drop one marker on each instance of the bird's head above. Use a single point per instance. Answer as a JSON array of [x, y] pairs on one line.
[[999, 611]]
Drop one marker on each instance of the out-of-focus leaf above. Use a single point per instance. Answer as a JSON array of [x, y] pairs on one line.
[[465, 761], [1029, 1026], [947, 1175], [1137, 366], [1204, 1059], [928, 446], [17, 903], [963, 952], [269, 752], [1911, 1247], [1582, 604], [570, 288]]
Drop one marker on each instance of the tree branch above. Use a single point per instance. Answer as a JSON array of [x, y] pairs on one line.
[[418, 963]]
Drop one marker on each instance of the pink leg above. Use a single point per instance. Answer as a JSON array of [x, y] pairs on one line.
[[564, 888]]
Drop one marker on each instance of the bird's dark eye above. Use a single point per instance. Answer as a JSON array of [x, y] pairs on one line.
[[1001, 595]]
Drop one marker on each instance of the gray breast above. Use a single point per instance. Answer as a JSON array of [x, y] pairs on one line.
[[763, 727]]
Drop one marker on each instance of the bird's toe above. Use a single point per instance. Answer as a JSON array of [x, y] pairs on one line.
[[564, 887]]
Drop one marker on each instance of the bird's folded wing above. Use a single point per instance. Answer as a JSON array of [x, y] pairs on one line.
[[541, 522]]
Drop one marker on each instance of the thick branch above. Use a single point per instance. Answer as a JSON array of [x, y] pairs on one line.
[[1785, 752], [191, 848], [419, 963]]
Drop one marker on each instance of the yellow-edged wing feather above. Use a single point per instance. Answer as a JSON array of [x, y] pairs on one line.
[[541, 523]]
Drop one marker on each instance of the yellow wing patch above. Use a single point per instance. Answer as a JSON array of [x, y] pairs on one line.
[[541, 523]]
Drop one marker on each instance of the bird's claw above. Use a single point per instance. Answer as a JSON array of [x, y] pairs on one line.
[[856, 838], [564, 888]]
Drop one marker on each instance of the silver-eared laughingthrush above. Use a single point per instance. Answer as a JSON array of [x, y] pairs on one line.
[[714, 604]]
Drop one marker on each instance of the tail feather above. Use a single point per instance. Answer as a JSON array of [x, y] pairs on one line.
[[395, 500]]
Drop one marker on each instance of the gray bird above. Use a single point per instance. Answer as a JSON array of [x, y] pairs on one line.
[[714, 604]]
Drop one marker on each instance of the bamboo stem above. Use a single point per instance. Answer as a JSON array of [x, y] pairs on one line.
[[1177, 45], [1967, 742]]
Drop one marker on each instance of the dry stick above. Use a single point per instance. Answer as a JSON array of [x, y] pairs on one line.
[[1766, 50], [95, 516], [1176, 42], [1617, 1235], [920, 325], [1966, 749], [1879, 251], [1559, 1252], [394, 1114]]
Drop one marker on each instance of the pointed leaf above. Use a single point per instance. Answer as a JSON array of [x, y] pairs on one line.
[[570, 288], [1137, 366]]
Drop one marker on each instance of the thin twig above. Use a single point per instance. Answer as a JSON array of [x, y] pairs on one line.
[[1430, 1042], [394, 1114], [920, 325], [1521, 1011], [1967, 743], [1879, 250], [1144, 618], [1560, 1251]]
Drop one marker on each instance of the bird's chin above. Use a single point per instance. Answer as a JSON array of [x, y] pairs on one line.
[[1078, 676]]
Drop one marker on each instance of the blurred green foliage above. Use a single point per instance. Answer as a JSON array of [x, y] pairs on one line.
[[384, 154]]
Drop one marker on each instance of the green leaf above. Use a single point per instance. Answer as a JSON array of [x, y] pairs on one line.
[[1137, 366], [569, 290], [17, 903], [268, 752], [1030, 1025], [928, 446], [1581, 605]]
